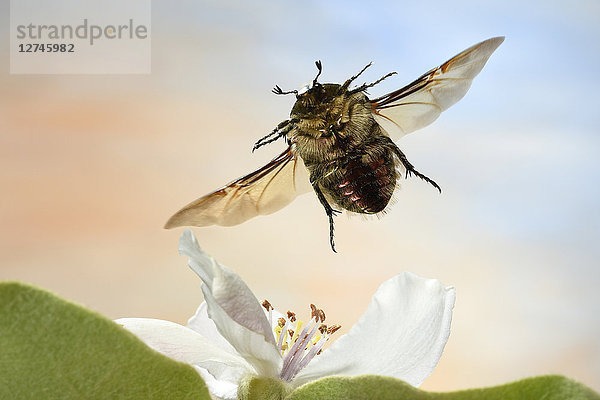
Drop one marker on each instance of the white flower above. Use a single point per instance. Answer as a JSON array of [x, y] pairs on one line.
[[402, 333]]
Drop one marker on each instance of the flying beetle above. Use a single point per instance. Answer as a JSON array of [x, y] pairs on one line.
[[338, 148]]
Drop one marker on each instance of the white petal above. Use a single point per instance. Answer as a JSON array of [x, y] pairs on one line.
[[219, 389], [262, 355], [402, 334], [183, 344], [205, 326], [275, 315], [228, 289], [234, 309]]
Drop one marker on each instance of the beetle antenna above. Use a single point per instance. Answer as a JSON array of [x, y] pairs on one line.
[[346, 84], [366, 86]]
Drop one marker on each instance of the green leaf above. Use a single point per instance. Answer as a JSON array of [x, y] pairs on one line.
[[53, 349], [370, 387]]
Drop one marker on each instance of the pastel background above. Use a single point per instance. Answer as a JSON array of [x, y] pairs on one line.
[[92, 166]]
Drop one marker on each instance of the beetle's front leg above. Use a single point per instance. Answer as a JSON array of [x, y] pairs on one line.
[[280, 131]]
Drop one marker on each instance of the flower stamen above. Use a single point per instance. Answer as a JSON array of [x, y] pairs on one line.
[[298, 342], [269, 308], [267, 305], [291, 316], [282, 338]]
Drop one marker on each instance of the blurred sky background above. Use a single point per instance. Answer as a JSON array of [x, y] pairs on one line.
[[92, 166]]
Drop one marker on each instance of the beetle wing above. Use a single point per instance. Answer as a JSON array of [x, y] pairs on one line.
[[421, 102], [261, 192]]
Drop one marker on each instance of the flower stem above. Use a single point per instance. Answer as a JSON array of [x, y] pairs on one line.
[[261, 388]]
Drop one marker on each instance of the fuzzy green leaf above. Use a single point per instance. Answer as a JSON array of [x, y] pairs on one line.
[[53, 349], [370, 387]]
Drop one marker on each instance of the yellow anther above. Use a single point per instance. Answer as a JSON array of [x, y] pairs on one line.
[[316, 339], [298, 330]]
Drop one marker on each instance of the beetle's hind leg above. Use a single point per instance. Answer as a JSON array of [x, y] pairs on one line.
[[410, 169], [329, 211]]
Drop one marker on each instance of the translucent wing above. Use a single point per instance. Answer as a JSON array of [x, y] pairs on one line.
[[420, 103], [261, 192]]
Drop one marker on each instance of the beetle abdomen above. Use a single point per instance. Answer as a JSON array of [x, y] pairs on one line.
[[366, 184]]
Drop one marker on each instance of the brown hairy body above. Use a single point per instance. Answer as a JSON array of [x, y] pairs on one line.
[[348, 155]]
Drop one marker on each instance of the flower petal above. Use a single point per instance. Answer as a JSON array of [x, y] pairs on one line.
[[402, 334], [185, 345], [262, 355], [228, 289], [205, 326], [219, 389], [234, 309]]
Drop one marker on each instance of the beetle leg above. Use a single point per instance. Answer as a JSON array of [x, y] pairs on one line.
[[280, 131], [328, 210], [410, 169]]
